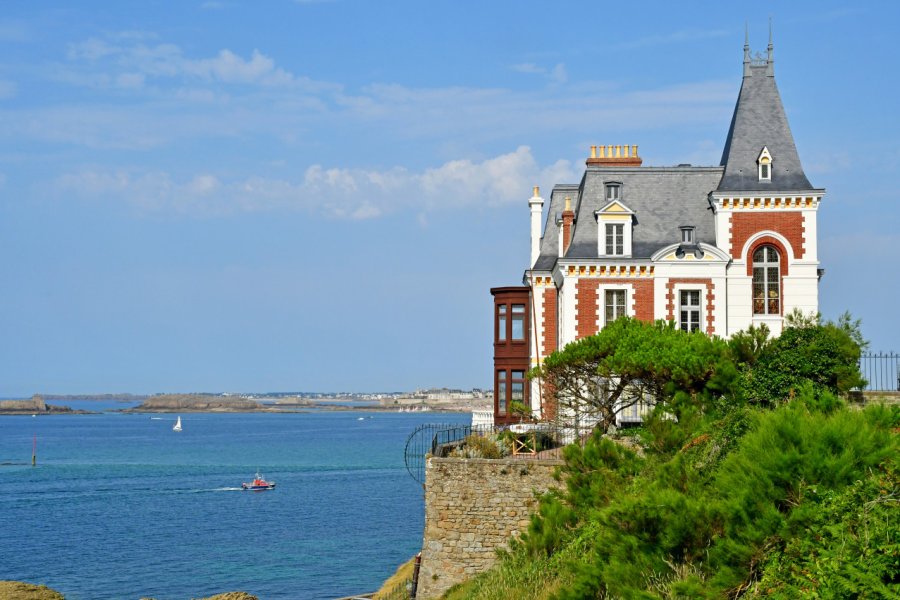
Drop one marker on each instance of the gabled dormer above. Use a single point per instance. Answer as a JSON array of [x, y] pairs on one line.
[[764, 163], [615, 222]]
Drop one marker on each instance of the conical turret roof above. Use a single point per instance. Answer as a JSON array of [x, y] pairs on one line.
[[760, 122]]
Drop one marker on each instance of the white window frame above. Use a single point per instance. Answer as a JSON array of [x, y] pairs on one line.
[[681, 305], [624, 308], [617, 249], [618, 192], [766, 265], [623, 216], [764, 160]]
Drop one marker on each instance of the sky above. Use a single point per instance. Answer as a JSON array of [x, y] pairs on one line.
[[319, 195]]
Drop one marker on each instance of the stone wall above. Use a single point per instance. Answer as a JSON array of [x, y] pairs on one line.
[[472, 507], [35, 405]]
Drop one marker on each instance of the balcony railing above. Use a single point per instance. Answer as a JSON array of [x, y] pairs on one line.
[[881, 370]]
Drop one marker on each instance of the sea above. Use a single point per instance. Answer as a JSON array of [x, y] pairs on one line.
[[120, 506]]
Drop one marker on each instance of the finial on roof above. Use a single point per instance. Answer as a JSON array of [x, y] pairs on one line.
[[770, 58], [746, 48]]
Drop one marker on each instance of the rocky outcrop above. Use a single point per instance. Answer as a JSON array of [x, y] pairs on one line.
[[18, 590], [197, 403], [35, 406]]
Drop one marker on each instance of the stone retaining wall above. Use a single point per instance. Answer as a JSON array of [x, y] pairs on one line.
[[472, 507]]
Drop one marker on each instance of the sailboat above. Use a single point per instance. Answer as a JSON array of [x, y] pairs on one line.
[[177, 426]]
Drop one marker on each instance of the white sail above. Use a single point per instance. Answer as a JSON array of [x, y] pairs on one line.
[[177, 426]]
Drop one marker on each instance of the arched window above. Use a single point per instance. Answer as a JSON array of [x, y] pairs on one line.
[[766, 281]]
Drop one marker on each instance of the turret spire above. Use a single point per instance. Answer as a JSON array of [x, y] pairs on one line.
[[746, 49], [759, 122]]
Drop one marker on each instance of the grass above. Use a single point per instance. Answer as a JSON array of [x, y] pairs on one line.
[[395, 586], [17, 590]]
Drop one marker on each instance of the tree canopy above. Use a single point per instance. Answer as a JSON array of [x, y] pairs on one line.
[[631, 361]]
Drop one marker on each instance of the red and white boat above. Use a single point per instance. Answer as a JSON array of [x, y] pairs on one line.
[[258, 484]]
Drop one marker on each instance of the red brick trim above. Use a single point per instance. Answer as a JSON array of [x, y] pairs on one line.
[[587, 307], [745, 225], [550, 317], [710, 299], [768, 240], [643, 299]]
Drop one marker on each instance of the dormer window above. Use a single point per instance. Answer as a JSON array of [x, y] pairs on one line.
[[614, 225], [765, 165], [687, 234], [613, 191], [615, 239]]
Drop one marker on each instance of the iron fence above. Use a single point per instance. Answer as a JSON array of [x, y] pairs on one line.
[[881, 370], [526, 441], [534, 441]]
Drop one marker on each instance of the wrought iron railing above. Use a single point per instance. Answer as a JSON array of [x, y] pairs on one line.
[[881, 370], [535, 441]]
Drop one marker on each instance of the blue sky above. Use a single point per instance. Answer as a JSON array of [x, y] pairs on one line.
[[302, 195]]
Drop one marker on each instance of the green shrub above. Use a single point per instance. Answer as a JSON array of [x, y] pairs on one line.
[[850, 547], [677, 530], [806, 351], [481, 446]]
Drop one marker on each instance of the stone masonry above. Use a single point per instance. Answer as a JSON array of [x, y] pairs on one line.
[[472, 507]]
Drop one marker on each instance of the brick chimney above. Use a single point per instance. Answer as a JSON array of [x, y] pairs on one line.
[[614, 156], [568, 217]]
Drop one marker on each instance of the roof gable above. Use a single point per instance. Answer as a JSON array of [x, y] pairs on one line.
[[615, 208]]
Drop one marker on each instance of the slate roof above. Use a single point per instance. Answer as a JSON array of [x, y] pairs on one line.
[[550, 241], [662, 198], [759, 121], [665, 198]]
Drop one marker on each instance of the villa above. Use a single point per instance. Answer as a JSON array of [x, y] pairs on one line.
[[714, 248]]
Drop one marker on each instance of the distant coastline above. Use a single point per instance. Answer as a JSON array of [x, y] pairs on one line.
[[227, 403], [36, 405], [173, 403]]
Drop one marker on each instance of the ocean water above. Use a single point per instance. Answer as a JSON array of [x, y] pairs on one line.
[[120, 506]]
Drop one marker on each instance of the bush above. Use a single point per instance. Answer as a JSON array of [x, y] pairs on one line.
[[825, 355], [733, 508], [480, 446]]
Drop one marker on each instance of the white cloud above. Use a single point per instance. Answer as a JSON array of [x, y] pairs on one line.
[[91, 49], [128, 54], [559, 73], [678, 37], [529, 68], [228, 67], [342, 193], [160, 96], [556, 74], [130, 80]]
